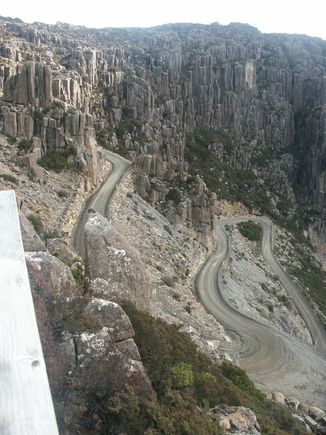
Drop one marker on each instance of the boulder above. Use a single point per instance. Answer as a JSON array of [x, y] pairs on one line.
[[237, 418], [60, 247], [225, 424], [302, 422], [129, 348], [31, 240], [292, 403], [50, 277], [278, 397], [110, 315], [105, 368], [316, 413], [114, 268], [311, 422]]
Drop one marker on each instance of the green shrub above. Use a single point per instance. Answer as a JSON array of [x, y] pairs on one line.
[[9, 177], [169, 280], [312, 277], [78, 274], [251, 230], [57, 161], [160, 100], [228, 183], [25, 145], [165, 352], [62, 194], [11, 140], [174, 195], [181, 376], [38, 115], [56, 104], [128, 123], [102, 137]]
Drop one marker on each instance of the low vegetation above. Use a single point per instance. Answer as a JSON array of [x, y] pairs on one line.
[[128, 123], [169, 280], [9, 177], [228, 183], [78, 274], [311, 276], [186, 384], [58, 161], [251, 230], [209, 153], [11, 140], [25, 145]]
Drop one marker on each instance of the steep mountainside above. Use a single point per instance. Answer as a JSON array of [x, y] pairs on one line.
[[254, 103], [218, 121]]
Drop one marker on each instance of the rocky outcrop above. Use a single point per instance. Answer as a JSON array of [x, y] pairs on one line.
[[113, 267], [53, 276], [310, 418], [32, 84], [236, 419], [31, 240], [112, 316], [17, 123], [86, 341], [142, 92]]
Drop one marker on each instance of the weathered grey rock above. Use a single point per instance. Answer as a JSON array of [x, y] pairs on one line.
[[269, 91], [225, 424], [60, 248], [10, 124], [68, 350], [32, 84], [292, 403], [304, 407], [316, 413], [31, 239], [302, 422], [105, 366], [278, 397], [311, 422], [129, 348], [111, 315], [50, 277], [237, 418], [114, 268], [93, 346]]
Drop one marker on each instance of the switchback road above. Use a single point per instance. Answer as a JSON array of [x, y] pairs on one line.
[[273, 360], [100, 199]]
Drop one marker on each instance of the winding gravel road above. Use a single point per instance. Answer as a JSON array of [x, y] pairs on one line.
[[99, 200], [273, 360]]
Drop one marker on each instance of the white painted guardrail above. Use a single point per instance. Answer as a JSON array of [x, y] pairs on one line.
[[26, 406]]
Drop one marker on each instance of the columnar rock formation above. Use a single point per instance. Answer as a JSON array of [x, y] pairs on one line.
[[143, 91]]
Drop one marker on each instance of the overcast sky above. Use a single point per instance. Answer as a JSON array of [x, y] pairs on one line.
[[286, 16]]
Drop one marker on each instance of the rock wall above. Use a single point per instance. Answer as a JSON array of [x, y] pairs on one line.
[[87, 342], [113, 267], [142, 91]]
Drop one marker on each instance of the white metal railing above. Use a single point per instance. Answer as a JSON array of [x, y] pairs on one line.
[[25, 399]]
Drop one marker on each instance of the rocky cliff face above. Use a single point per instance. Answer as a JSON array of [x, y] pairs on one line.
[[143, 91], [113, 268], [87, 341]]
